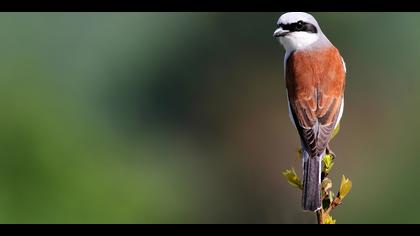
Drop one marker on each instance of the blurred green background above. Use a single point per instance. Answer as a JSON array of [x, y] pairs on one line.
[[182, 118]]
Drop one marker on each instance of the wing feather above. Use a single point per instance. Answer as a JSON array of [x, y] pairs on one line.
[[315, 96]]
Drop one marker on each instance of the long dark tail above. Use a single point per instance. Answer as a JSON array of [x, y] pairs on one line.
[[311, 197]]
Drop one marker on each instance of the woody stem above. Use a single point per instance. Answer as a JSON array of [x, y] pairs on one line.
[[319, 216]]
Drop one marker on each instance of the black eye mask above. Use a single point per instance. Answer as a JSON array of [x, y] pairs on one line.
[[299, 26]]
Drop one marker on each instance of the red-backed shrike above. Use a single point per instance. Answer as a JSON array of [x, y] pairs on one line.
[[315, 79]]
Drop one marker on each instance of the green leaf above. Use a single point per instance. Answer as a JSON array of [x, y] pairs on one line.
[[328, 220], [331, 195], [345, 187], [326, 186], [325, 204], [299, 152], [292, 178], [328, 163], [336, 130]]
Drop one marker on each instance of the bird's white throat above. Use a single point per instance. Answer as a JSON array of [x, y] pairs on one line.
[[298, 40]]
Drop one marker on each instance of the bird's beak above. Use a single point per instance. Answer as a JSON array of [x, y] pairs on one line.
[[280, 32]]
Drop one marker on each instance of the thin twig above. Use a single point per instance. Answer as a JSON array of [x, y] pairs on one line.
[[319, 216], [333, 204]]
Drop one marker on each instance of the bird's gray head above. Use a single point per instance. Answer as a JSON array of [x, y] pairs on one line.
[[297, 30]]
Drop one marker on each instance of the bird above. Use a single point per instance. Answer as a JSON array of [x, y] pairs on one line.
[[315, 75]]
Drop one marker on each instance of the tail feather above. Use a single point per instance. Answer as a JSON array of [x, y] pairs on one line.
[[311, 197]]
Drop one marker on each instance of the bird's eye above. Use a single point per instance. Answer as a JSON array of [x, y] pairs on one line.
[[299, 25]]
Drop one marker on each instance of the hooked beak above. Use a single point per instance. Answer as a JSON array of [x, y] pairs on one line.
[[280, 32]]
